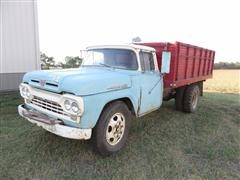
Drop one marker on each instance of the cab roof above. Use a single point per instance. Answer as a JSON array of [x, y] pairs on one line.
[[124, 46]]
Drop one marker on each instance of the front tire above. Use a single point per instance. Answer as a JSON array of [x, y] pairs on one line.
[[111, 131]]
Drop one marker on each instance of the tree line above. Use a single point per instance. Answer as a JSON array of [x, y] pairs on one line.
[[69, 62], [227, 65]]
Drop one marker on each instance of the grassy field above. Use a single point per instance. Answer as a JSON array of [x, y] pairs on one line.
[[227, 81], [163, 145]]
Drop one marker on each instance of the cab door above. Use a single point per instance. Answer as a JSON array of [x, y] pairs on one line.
[[151, 83]]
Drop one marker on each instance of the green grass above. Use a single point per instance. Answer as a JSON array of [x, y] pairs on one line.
[[162, 145]]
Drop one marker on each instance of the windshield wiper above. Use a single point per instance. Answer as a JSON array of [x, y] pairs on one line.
[[106, 65]]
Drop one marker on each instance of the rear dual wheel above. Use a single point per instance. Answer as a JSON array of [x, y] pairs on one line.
[[187, 98], [191, 98]]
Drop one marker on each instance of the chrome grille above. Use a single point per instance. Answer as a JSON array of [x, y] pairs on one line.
[[48, 105]]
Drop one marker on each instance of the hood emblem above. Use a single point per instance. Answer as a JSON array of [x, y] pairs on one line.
[[42, 82]]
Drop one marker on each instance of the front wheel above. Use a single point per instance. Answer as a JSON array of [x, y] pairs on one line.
[[111, 131]]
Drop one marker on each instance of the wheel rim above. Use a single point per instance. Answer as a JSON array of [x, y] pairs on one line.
[[115, 129], [194, 99]]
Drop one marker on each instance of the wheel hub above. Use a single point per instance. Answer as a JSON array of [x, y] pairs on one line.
[[115, 129]]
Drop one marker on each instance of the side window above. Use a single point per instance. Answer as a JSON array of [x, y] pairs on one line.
[[147, 61]]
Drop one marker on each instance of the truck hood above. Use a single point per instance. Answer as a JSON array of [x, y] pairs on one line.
[[82, 81]]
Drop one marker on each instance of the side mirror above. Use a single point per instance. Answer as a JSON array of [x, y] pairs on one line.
[[166, 59]]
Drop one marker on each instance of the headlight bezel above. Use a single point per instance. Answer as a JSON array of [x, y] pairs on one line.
[[25, 91], [78, 101]]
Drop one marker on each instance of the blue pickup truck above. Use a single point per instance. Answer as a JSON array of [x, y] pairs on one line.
[[98, 99]]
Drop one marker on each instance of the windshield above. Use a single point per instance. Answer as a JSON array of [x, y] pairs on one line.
[[116, 58]]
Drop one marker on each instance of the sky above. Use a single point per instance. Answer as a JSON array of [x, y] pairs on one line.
[[68, 26]]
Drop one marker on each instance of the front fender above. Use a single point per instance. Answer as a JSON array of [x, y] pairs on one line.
[[94, 105]]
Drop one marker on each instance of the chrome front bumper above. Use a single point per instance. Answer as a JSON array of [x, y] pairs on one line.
[[53, 125]]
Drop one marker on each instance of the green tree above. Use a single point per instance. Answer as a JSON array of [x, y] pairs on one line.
[[46, 62], [71, 62]]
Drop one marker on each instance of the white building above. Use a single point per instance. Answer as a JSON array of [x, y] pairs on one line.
[[19, 48]]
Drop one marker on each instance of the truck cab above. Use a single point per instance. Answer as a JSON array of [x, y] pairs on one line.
[[139, 64], [98, 99]]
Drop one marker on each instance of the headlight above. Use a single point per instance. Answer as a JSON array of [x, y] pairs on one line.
[[28, 94], [75, 107], [24, 91], [67, 105]]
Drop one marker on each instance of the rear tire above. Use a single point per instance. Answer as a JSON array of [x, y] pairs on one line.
[[111, 131], [179, 98], [191, 98]]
